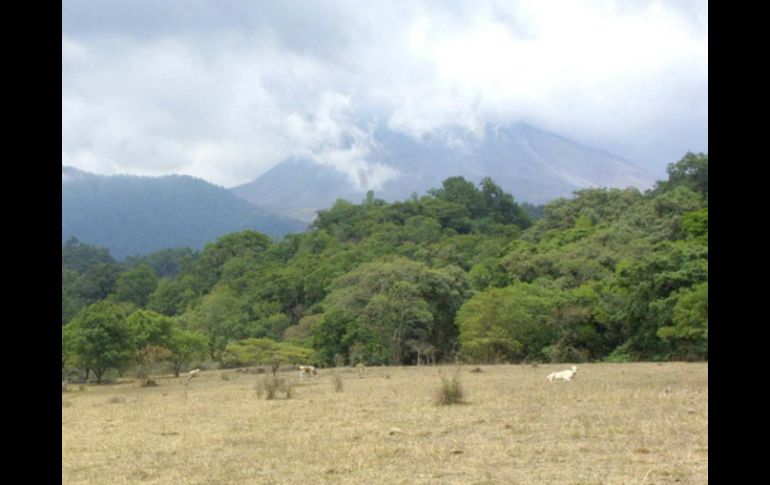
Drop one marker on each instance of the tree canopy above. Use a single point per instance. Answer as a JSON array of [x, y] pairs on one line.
[[461, 272]]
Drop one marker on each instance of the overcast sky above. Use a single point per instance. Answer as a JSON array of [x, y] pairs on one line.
[[226, 89]]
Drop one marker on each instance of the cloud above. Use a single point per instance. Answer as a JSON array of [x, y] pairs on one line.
[[225, 90]]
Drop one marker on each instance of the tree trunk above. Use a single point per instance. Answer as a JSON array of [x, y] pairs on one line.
[[98, 373]]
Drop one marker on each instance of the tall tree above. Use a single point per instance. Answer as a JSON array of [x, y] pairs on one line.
[[692, 171]]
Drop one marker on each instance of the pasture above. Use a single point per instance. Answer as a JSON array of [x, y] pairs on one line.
[[640, 423]]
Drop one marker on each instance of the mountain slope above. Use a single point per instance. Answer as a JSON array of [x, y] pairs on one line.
[[139, 215], [533, 165]]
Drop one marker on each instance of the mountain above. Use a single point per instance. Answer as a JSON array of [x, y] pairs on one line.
[[533, 165], [134, 215]]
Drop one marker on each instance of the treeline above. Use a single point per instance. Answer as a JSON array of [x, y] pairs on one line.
[[463, 272]]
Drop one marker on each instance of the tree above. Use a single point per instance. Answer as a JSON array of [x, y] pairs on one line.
[[301, 334], [459, 191], [645, 294], [96, 283], [166, 262], [691, 171], [98, 338], [80, 257], [223, 317], [207, 268], [689, 332], [150, 336], [385, 305], [264, 351], [173, 296], [70, 303], [185, 346], [136, 285], [149, 328], [512, 323], [501, 206]]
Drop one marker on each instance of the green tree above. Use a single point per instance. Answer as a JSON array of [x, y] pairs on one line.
[[222, 317], [301, 334], [500, 205], [149, 328], [695, 225], [80, 257], [692, 171], [385, 305], [173, 296], [96, 283], [136, 285], [689, 332], [512, 323], [70, 303], [459, 191], [98, 338], [185, 346], [207, 269], [165, 263], [264, 351]]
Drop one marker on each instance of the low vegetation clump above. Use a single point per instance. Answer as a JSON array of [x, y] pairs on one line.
[[450, 391], [271, 386], [337, 382]]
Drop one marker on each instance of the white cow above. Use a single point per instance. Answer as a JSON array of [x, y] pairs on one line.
[[565, 375], [307, 371], [193, 373]]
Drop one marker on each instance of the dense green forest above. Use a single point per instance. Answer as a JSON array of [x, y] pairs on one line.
[[463, 272]]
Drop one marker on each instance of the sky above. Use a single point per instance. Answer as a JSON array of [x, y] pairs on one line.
[[224, 90]]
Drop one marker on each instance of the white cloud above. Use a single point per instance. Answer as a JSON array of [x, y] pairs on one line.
[[226, 93]]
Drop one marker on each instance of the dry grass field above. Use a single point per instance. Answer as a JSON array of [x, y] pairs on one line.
[[613, 424]]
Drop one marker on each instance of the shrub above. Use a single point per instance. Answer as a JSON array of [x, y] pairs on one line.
[[559, 353], [450, 391], [619, 355], [270, 386], [337, 381]]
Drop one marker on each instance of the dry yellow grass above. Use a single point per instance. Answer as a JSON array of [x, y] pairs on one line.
[[613, 424]]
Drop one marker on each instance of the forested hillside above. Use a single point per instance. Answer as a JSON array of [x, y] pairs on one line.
[[140, 215], [462, 272]]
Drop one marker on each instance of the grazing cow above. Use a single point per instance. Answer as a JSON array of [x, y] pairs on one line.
[[564, 375], [307, 371]]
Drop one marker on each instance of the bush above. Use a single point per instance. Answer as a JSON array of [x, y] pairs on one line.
[[270, 386], [559, 353], [337, 381], [450, 391], [263, 351], [618, 356]]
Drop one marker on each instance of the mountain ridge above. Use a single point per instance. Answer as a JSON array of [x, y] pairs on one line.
[[533, 165], [134, 215]]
